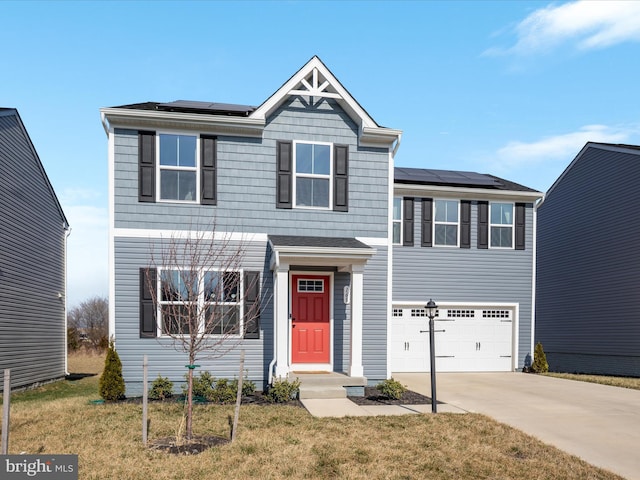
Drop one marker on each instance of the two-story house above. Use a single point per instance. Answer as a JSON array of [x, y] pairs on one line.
[[304, 183], [33, 249]]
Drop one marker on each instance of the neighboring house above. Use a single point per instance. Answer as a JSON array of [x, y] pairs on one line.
[[306, 182], [467, 241], [588, 279], [32, 262]]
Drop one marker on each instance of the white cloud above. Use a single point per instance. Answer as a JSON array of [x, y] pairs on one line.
[[564, 146], [87, 252], [587, 24]]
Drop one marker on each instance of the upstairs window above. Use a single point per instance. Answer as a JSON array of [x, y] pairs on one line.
[[178, 167], [445, 225], [312, 175], [501, 225], [397, 221]]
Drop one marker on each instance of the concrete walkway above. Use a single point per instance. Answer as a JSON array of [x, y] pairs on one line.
[[597, 423], [343, 407]]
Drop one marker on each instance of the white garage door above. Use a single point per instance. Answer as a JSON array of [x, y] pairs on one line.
[[467, 339]]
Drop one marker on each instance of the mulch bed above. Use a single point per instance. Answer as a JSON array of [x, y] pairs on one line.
[[258, 398], [373, 397], [197, 444]]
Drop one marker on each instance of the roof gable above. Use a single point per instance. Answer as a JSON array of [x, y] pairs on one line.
[[316, 82], [12, 112], [621, 148]]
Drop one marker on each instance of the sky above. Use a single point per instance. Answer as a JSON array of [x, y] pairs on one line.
[[510, 88]]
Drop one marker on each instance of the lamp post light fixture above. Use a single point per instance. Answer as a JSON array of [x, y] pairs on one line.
[[431, 313]]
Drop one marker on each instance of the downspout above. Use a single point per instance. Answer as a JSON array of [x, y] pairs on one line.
[[536, 205], [272, 364], [65, 306], [390, 197], [395, 149], [103, 119]]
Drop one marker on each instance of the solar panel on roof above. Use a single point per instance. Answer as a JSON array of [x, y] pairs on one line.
[[444, 177], [206, 106]]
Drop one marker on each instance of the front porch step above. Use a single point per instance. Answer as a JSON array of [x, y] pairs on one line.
[[326, 385], [316, 393]]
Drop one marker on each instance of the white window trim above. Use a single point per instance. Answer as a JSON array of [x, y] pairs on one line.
[[400, 220], [200, 301], [159, 167], [512, 226], [312, 175], [435, 222]]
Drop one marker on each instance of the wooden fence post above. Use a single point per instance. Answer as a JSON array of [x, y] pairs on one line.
[[6, 399], [238, 398], [145, 425]]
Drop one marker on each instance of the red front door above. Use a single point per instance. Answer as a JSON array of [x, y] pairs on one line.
[[310, 327]]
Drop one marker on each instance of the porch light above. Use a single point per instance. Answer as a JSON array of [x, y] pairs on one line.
[[431, 313]]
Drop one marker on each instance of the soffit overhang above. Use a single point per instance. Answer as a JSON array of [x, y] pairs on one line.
[[440, 191], [208, 124]]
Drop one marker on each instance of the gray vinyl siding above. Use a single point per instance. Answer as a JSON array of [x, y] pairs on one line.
[[247, 182], [165, 356], [341, 323], [450, 274], [587, 275], [32, 316], [374, 321]]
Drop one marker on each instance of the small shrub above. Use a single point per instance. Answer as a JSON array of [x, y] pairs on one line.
[[391, 388], [202, 384], [540, 364], [282, 391], [248, 387], [223, 392], [161, 388], [111, 381]]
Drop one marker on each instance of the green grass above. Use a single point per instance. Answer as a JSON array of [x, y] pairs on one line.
[[281, 442], [624, 382]]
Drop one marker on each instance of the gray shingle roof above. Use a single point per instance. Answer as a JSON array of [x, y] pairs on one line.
[[322, 242], [188, 106], [455, 178]]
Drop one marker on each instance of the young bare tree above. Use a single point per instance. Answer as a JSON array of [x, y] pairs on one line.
[[91, 320], [205, 301]]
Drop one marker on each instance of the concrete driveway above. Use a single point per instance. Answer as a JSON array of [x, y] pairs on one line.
[[597, 423]]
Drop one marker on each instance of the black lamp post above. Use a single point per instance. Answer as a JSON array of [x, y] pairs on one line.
[[431, 313]]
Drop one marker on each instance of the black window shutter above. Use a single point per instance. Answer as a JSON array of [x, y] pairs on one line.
[[148, 325], [407, 221], [341, 178], [520, 226], [208, 160], [427, 213], [465, 224], [483, 224], [252, 304], [284, 159], [146, 166]]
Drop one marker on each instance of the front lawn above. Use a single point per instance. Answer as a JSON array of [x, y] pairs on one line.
[[275, 442], [624, 382]]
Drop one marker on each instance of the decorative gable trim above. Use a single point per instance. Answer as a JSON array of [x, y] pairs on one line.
[[315, 80]]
